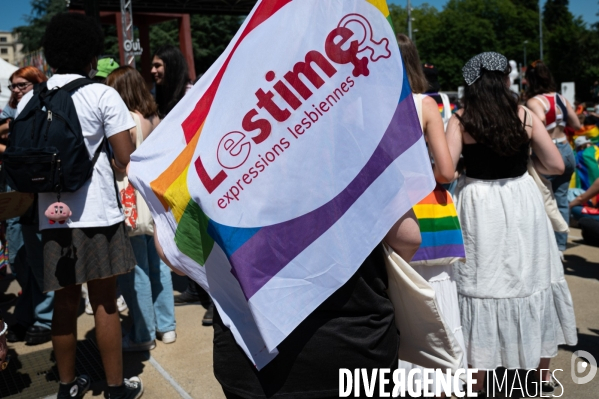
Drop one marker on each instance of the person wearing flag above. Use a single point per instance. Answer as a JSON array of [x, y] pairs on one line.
[[273, 185]]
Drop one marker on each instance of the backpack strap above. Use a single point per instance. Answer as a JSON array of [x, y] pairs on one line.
[[76, 84]]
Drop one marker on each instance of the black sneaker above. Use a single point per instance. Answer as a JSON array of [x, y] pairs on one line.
[[75, 389], [16, 333], [208, 316], [132, 388], [548, 387], [37, 335], [187, 298]]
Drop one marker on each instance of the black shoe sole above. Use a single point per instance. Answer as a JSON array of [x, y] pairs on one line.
[[12, 339], [38, 338]]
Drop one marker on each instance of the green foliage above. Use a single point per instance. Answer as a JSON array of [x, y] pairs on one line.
[[210, 35], [42, 12], [164, 33], [556, 13], [446, 38], [111, 42], [464, 28]]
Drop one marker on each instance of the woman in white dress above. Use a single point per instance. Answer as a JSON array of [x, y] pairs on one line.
[[515, 304], [439, 277]]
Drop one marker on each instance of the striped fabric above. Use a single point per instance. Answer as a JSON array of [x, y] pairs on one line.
[[273, 231], [442, 241]]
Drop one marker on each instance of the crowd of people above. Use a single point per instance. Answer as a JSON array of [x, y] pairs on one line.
[[508, 304]]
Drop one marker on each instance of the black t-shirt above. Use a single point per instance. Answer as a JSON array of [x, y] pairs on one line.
[[353, 328]]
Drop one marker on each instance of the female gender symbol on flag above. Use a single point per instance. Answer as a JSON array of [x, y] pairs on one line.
[[286, 164]]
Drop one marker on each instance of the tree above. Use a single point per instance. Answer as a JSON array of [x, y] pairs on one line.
[[210, 36], [556, 13], [465, 28], [458, 37], [532, 5], [42, 12]]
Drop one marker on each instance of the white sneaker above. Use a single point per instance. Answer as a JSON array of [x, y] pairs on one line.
[[88, 307], [130, 346], [121, 304], [167, 337]]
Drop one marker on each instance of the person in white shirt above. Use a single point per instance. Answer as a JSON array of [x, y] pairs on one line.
[[92, 246]]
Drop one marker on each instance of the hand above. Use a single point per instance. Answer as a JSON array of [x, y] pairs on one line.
[[576, 202]]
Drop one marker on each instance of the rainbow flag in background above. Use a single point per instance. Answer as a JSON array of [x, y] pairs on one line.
[[442, 241], [286, 164]]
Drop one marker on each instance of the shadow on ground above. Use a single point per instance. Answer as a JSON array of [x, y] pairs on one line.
[[578, 266]]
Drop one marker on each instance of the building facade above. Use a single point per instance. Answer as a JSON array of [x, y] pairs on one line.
[[10, 48]]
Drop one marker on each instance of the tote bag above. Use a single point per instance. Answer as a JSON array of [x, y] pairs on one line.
[[557, 220], [138, 218], [442, 241], [424, 337]]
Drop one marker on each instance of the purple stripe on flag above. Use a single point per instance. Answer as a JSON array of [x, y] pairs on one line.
[[440, 252], [273, 247]]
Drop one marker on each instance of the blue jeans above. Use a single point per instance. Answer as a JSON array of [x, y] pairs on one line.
[[34, 307], [148, 291], [560, 185], [577, 214]]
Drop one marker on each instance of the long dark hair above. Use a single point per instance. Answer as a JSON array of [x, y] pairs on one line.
[[491, 114], [411, 61], [539, 79], [175, 81]]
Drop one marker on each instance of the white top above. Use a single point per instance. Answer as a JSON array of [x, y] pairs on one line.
[[102, 113]]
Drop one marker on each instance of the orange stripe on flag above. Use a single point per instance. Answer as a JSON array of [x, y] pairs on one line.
[[436, 197], [168, 177]]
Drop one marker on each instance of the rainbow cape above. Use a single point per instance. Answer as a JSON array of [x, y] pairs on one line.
[[286, 164]]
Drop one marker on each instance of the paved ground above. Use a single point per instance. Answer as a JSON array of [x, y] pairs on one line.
[[184, 368]]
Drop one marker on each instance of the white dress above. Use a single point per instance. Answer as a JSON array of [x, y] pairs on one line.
[[441, 278], [515, 304]]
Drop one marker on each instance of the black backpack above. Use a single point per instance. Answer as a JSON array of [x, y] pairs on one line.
[[46, 151]]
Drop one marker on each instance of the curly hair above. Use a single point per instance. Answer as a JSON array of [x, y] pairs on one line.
[[176, 79], [491, 114], [72, 40], [30, 74]]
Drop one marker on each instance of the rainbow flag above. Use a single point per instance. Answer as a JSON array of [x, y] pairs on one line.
[[442, 241], [286, 164]]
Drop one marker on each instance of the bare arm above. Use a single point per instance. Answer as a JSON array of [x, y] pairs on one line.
[[454, 139], [547, 159], [122, 146], [443, 169], [585, 197], [537, 108], [573, 121]]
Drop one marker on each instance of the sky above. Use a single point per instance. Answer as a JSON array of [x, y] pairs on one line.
[[12, 12]]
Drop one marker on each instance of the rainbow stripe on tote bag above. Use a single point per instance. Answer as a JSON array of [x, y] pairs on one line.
[[442, 241]]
